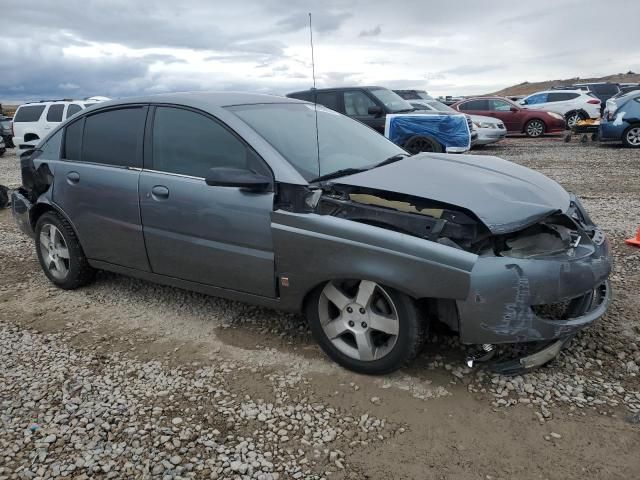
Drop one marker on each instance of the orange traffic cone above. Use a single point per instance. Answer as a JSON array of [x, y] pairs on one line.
[[634, 241]]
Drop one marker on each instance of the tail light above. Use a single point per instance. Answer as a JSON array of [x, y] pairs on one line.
[[594, 102]]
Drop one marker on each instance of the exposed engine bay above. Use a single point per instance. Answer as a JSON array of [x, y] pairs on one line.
[[556, 233]]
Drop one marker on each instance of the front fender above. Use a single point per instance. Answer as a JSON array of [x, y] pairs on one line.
[[311, 249]]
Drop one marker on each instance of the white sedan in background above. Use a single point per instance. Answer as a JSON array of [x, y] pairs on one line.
[[490, 130]]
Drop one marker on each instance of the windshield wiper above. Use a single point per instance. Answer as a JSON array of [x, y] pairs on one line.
[[394, 158], [338, 173], [406, 110], [350, 171]]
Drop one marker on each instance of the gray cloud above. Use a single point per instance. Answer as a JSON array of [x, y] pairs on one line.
[[118, 47], [374, 32]]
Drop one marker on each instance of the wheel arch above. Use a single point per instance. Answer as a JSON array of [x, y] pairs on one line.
[[29, 137], [43, 206]]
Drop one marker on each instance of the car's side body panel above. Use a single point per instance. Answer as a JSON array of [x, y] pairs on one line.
[[311, 249]]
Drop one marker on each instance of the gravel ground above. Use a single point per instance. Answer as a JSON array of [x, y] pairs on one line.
[[126, 379]]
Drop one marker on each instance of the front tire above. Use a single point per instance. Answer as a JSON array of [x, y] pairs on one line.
[[364, 326], [535, 128], [60, 254], [631, 137], [419, 143]]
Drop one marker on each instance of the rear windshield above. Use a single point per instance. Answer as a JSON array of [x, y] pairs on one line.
[[30, 113], [605, 89]]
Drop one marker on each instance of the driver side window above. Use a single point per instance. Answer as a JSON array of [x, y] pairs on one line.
[[357, 103], [189, 143], [499, 106]]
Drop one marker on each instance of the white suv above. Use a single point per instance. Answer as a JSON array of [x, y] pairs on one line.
[[33, 121], [573, 104]]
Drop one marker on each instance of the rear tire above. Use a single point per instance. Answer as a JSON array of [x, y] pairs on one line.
[[364, 326], [419, 143], [535, 128], [631, 136], [60, 254], [572, 118]]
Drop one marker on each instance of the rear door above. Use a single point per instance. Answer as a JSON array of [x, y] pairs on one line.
[[213, 235], [357, 104], [53, 116], [96, 184], [479, 106]]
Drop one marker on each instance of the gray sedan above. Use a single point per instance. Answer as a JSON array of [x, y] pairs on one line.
[[290, 205]]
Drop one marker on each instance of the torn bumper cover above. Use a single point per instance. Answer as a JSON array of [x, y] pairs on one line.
[[514, 300]]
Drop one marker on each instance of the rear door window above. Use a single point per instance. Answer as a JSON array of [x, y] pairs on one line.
[[73, 140], [30, 113], [115, 137], [72, 109], [54, 114], [499, 105], [474, 105]]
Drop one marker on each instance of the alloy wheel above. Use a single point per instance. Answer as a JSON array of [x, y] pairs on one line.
[[633, 136], [535, 128], [359, 318], [55, 253], [420, 145], [573, 119]]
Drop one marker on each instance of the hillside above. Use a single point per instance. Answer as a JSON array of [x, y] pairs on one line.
[[526, 88]]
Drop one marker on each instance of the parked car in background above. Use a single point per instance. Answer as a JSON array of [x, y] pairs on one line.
[[3, 147], [33, 121], [603, 91], [626, 88], [288, 205], [516, 119], [371, 105], [573, 105], [621, 120], [489, 130], [6, 130]]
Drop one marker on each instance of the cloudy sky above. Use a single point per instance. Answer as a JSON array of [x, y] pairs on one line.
[[117, 48]]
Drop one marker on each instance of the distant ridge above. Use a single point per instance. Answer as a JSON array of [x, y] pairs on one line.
[[526, 88]]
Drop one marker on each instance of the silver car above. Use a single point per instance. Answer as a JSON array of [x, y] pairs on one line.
[[291, 205]]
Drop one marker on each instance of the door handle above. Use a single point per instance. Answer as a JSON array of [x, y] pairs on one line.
[[73, 178], [160, 192]]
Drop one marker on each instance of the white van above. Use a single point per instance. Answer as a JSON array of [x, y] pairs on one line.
[[33, 121]]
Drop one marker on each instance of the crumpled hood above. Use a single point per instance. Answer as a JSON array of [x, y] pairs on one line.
[[505, 196]]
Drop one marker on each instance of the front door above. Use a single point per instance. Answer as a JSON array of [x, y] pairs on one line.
[[219, 236], [96, 184], [356, 105], [502, 110]]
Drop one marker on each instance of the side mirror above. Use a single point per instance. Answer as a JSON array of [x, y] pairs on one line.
[[522, 102], [237, 177], [513, 109], [375, 110]]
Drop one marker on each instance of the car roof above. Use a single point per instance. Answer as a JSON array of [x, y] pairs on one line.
[[355, 87], [207, 99]]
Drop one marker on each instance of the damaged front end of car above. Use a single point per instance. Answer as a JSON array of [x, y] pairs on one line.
[[536, 285]]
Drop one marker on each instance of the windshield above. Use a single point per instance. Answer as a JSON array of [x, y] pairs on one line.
[[441, 107], [424, 95], [291, 129], [391, 100]]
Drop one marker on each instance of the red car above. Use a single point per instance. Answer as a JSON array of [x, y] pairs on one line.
[[516, 119]]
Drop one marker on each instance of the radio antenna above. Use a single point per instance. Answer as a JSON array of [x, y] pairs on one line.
[[315, 92], [313, 64]]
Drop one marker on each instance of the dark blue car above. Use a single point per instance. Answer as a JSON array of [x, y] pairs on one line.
[[621, 120]]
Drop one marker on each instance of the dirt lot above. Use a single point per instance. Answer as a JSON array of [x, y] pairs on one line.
[[126, 379]]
